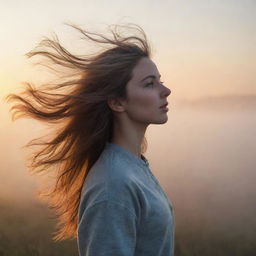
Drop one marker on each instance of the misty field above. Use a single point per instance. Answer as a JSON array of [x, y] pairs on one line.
[[26, 230], [205, 160]]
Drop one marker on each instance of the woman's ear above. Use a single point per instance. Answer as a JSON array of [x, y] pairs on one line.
[[116, 104]]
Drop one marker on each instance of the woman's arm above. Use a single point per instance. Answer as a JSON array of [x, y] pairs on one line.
[[107, 228]]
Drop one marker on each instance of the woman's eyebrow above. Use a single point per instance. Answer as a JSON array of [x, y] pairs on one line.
[[150, 76]]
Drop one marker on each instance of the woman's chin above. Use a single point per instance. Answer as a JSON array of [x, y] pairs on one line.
[[161, 121]]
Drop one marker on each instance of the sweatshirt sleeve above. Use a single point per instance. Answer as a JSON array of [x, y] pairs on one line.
[[107, 228]]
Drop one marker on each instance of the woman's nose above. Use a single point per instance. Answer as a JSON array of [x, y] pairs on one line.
[[166, 92]]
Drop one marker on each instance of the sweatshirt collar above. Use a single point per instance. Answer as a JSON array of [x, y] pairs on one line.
[[131, 156]]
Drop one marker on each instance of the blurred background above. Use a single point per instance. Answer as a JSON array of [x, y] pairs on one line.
[[204, 156]]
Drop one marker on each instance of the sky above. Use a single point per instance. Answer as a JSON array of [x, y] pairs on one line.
[[200, 47], [206, 54]]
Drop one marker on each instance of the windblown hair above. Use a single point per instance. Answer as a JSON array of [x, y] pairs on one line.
[[78, 111]]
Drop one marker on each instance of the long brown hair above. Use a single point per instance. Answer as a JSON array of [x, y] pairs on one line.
[[78, 108]]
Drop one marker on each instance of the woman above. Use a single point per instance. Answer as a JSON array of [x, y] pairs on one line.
[[105, 194]]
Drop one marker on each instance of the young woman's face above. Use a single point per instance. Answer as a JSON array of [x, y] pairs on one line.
[[146, 94]]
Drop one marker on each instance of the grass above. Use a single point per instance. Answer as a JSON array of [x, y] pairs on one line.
[[26, 230]]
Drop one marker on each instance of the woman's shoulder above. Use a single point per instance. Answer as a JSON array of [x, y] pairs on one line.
[[112, 179], [111, 183], [114, 168]]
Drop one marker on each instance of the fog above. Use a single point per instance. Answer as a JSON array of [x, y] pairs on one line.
[[204, 157]]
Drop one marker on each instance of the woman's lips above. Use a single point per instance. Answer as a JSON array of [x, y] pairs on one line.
[[164, 106]]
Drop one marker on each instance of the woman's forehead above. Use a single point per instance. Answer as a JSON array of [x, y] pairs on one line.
[[144, 68]]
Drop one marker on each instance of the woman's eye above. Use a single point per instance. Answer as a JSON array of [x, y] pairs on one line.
[[149, 84]]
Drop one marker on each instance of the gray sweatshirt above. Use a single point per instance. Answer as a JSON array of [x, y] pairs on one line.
[[123, 210]]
